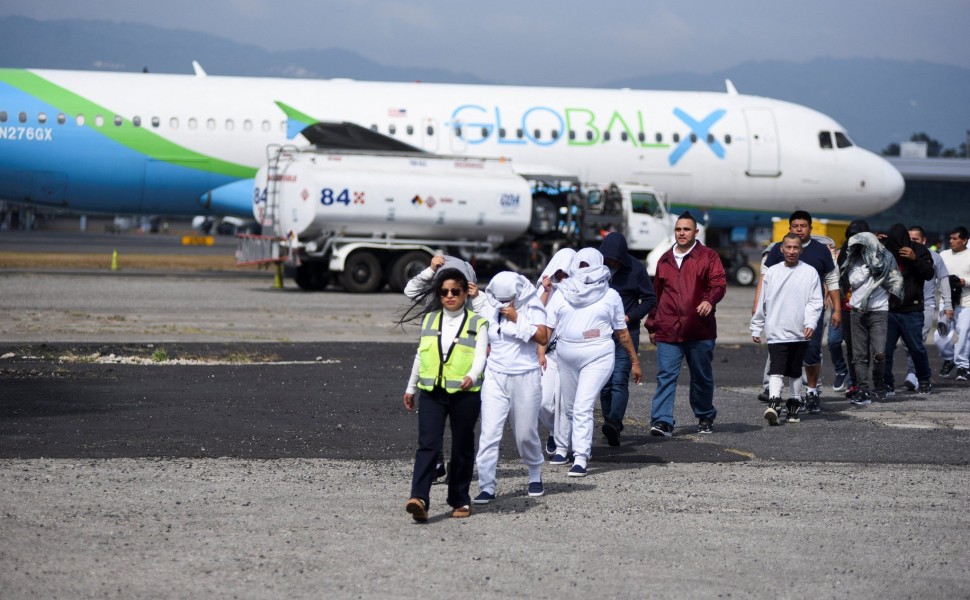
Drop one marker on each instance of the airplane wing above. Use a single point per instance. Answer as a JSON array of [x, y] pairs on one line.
[[340, 135]]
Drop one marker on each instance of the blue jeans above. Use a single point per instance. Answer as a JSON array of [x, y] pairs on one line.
[[835, 350], [670, 356], [616, 393], [909, 326]]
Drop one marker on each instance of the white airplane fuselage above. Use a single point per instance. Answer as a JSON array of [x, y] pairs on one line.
[[176, 144]]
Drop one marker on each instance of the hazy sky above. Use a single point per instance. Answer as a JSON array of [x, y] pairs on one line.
[[560, 42]]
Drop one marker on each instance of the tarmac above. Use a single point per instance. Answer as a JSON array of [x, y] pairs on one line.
[[176, 435]]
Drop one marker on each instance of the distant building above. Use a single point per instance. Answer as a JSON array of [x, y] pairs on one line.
[[937, 195]]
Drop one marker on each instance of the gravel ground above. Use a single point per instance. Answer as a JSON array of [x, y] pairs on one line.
[[320, 528]]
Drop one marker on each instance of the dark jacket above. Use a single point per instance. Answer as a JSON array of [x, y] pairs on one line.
[[679, 291], [631, 280], [915, 272]]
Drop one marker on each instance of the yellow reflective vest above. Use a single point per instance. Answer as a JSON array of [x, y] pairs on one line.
[[449, 374]]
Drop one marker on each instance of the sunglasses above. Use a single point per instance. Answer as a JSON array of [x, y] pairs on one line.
[[454, 292]]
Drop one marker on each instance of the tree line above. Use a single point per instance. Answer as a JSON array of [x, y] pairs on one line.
[[934, 148]]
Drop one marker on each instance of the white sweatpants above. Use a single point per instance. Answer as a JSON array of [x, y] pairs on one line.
[[501, 393], [584, 368], [550, 394], [958, 352]]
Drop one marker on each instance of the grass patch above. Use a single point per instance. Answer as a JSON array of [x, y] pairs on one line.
[[159, 355]]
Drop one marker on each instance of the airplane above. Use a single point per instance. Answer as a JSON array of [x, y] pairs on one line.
[[161, 144]]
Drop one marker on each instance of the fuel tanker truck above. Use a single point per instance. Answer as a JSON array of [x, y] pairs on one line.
[[371, 219]]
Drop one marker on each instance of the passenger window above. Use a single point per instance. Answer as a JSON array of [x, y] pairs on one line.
[[22, 117], [484, 132], [825, 140], [136, 121], [98, 121], [537, 134], [193, 123], [693, 138], [392, 129], [641, 138], [373, 127], [3, 116], [265, 126], [842, 140], [519, 133], [659, 137], [173, 123], [61, 118], [230, 124], [41, 118], [457, 131], [282, 126], [572, 134], [118, 120], [676, 137], [555, 134], [210, 124], [156, 122], [589, 136], [623, 136], [501, 132], [710, 138], [410, 130], [79, 120], [727, 138], [430, 130], [606, 136]]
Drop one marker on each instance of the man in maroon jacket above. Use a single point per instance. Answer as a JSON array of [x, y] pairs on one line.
[[689, 283]]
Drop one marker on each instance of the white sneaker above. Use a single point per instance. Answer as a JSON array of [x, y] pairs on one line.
[[911, 383]]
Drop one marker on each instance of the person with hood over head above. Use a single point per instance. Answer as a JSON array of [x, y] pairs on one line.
[[844, 330], [906, 314], [516, 327], [632, 283], [584, 316], [555, 271], [872, 277]]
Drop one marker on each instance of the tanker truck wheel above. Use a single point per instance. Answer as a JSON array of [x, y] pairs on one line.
[[362, 273], [406, 267]]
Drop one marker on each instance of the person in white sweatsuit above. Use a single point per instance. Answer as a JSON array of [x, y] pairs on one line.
[[516, 322], [555, 271], [788, 309], [584, 316]]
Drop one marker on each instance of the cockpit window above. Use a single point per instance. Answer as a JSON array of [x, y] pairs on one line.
[[842, 140], [825, 140]]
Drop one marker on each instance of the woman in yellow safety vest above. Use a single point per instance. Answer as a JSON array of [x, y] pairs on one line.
[[448, 369]]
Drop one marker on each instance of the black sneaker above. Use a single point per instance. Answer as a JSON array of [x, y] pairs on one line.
[[961, 374], [763, 396], [926, 387], [947, 368], [705, 426], [862, 399], [890, 391], [812, 403], [440, 473], [612, 434], [841, 382], [771, 413], [851, 392], [794, 406], [661, 429], [550, 445]]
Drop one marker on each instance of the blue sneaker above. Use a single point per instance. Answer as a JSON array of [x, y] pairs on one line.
[[484, 498], [577, 471], [841, 382], [550, 445], [536, 489], [558, 460]]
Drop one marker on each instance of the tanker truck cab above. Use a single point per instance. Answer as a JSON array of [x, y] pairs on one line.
[[375, 218]]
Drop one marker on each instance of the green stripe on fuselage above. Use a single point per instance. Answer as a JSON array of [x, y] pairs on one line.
[[138, 139]]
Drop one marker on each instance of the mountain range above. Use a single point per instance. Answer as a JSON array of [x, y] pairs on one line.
[[878, 101]]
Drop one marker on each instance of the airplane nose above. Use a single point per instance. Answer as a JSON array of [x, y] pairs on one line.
[[893, 185]]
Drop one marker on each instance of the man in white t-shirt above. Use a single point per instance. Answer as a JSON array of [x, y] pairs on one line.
[[957, 261]]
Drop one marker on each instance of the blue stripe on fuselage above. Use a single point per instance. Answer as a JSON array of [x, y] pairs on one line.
[[94, 172]]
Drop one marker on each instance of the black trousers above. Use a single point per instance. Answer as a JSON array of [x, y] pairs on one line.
[[461, 409]]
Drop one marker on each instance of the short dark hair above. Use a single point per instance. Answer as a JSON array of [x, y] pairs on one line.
[[686, 215], [802, 215], [791, 236], [919, 230], [961, 232]]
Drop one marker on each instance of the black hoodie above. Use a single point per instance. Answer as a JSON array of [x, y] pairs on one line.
[[915, 272], [631, 280]]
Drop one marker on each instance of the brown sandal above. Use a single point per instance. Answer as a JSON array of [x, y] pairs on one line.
[[416, 508], [461, 512]]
